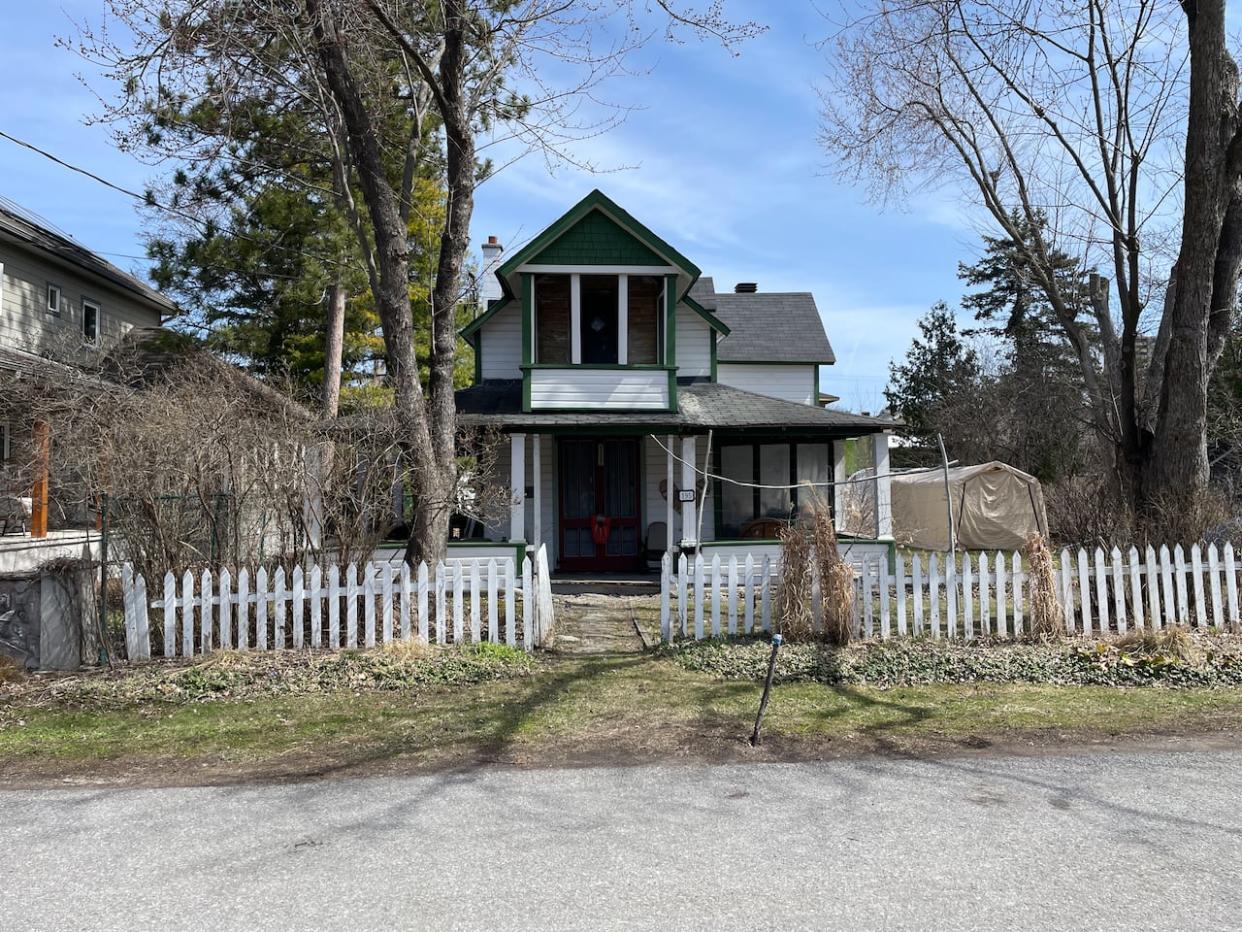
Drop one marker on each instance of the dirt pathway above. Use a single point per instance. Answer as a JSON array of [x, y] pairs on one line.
[[595, 624]]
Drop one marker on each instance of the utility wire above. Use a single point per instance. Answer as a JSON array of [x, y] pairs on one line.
[[786, 488], [150, 201]]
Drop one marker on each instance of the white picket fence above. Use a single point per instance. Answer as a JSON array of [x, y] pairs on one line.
[[461, 602], [966, 595]]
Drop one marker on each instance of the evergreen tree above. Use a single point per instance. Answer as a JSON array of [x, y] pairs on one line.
[[938, 368]]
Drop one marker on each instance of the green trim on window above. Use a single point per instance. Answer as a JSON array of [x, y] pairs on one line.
[[478, 359], [528, 318], [528, 341], [715, 340], [670, 337], [815, 394]]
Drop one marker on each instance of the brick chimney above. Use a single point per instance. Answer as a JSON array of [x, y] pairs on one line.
[[745, 287], [489, 287]]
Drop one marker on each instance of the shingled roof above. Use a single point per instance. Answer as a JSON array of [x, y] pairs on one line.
[[24, 227], [702, 406], [771, 326]]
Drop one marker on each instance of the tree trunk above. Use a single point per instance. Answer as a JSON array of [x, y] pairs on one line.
[[334, 340], [392, 301], [1177, 472]]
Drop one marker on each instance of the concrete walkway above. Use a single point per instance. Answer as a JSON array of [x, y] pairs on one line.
[[595, 624], [1097, 840]]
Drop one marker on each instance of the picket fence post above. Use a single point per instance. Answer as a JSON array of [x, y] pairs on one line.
[[424, 598], [698, 597], [1231, 586], [765, 595], [899, 588], [1119, 594], [386, 628], [716, 596], [243, 609], [749, 593], [368, 604], [351, 606], [334, 607], [985, 596], [299, 608], [204, 612], [316, 606], [260, 609], [278, 640], [1101, 591], [968, 599], [666, 619], [918, 595]]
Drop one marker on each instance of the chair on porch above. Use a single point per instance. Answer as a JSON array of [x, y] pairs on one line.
[[15, 510], [656, 543]]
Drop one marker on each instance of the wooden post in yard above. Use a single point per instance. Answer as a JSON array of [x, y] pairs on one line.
[[42, 441]]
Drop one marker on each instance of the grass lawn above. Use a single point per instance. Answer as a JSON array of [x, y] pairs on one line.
[[564, 711]]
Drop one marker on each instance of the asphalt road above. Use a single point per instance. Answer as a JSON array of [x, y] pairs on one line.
[[1101, 840]]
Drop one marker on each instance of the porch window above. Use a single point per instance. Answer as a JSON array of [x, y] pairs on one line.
[[552, 319], [645, 295], [745, 508], [600, 320]]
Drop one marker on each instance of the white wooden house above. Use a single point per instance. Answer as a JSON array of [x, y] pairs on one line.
[[609, 361]]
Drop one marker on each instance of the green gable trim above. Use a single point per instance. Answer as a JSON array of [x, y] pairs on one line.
[[593, 202], [670, 337], [473, 327], [478, 359], [597, 239], [712, 320], [714, 342]]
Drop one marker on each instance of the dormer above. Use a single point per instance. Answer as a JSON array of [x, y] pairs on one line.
[[588, 316]]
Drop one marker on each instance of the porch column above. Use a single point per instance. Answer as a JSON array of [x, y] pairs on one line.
[[537, 479], [838, 477], [883, 489], [670, 506], [517, 487], [689, 480], [42, 442]]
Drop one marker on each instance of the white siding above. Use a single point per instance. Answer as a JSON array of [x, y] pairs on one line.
[[790, 383], [27, 324], [694, 344], [499, 529], [655, 508], [624, 389], [502, 344]]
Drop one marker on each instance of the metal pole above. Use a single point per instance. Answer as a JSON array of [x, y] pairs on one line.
[[755, 739], [948, 496]]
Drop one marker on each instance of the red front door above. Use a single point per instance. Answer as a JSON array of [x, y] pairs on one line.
[[600, 516]]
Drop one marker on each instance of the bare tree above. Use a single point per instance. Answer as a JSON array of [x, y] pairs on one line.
[[393, 84], [1117, 121]]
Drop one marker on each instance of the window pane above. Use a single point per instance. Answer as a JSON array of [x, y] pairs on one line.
[[90, 321], [552, 319], [643, 332], [813, 467], [774, 470], [599, 319], [737, 503]]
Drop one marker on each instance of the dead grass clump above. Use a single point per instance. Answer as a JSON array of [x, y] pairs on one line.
[[1047, 616], [407, 651], [10, 670], [1171, 642], [793, 604], [836, 580]]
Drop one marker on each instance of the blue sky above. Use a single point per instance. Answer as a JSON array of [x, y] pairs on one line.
[[721, 160]]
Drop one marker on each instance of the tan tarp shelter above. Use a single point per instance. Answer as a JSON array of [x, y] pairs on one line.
[[995, 507]]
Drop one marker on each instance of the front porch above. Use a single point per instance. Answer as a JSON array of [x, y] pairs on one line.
[[609, 505]]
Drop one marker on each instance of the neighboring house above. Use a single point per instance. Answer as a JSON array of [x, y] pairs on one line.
[[609, 362], [58, 301]]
